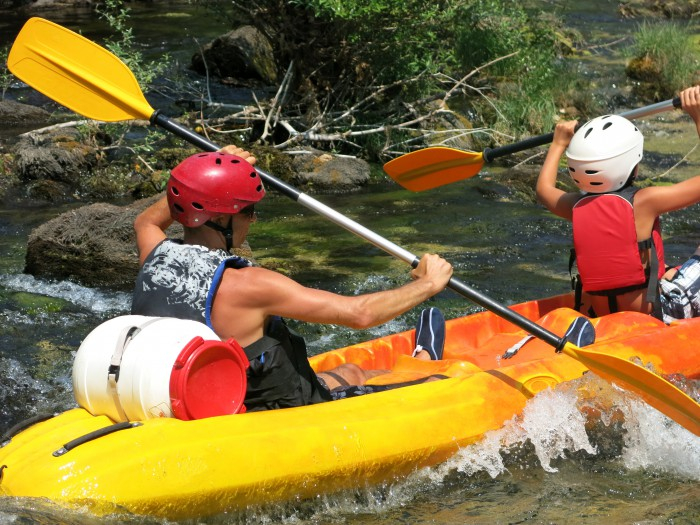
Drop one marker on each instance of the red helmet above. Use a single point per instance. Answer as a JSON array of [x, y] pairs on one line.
[[208, 184]]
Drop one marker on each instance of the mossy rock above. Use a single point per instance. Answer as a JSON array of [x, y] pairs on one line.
[[649, 74], [644, 69]]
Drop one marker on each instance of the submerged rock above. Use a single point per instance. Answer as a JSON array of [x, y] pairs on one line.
[[322, 171]]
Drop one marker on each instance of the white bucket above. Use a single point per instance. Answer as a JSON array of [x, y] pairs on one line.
[[136, 367]]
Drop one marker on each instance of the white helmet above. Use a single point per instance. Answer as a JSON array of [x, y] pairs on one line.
[[603, 153]]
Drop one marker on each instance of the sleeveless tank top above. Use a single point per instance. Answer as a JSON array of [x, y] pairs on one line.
[[180, 280]]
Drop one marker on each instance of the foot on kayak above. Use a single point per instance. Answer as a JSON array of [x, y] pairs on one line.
[[580, 332], [430, 333]]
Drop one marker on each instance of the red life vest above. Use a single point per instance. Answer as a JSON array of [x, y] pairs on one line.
[[607, 250]]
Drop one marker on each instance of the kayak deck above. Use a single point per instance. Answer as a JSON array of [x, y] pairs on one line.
[[477, 342]]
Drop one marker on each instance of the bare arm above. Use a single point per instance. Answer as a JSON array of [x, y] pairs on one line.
[[266, 292], [150, 226], [656, 200], [554, 199]]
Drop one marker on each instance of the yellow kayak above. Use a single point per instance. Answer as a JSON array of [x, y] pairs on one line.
[[179, 469]]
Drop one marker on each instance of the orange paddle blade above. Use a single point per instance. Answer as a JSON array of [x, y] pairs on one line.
[[655, 390], [429, 168]]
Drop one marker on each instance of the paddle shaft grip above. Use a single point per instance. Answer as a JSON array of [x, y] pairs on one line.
[[540, 140], [345, 222]]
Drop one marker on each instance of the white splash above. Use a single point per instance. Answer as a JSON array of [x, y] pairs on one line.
[[98, 301], [655, 442], [554, 422]]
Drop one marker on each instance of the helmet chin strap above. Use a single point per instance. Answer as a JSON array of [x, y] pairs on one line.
[[226, 230]]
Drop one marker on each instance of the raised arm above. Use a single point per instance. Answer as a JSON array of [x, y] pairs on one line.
[[554, 199], [656, 200], [150, 226]]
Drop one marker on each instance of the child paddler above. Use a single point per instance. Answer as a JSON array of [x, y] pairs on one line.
[[616, 226]]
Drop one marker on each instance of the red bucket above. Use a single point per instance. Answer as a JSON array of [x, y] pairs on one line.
[[208, 379]]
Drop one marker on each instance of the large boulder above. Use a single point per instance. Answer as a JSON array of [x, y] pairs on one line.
[[14, 114], [243, 56], [93, 245]]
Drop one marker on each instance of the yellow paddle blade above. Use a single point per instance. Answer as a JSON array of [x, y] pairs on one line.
[[655, 390], [76, 73], [429, 168]]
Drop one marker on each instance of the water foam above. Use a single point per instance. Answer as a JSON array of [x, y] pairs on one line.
[[654, 442], [98, 301], [555, 425]]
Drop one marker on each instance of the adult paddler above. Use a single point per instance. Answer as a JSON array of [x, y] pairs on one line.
[[213, 196]]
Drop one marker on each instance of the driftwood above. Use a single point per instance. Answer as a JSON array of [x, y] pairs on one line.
[[421, 121]]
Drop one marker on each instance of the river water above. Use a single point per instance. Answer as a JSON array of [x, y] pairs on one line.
[[549, 466]]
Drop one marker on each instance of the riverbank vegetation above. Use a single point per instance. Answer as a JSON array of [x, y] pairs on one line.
[[662, 60], [377, 78], [357, 79], [366, 80]]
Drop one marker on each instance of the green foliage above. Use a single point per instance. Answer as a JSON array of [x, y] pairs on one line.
[[346, 46], [533, 78], [340, 9], [344, 50], [124, 45], [6, 77], [664, 57], [455, 38], [490, 29]]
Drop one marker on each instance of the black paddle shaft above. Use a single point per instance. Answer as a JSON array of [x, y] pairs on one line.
[[454, 284], [540, 140]]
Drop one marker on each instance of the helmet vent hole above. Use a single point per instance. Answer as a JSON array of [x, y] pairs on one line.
[[588, 132], [572, 170], [591, 172], [253, 174], [218, 161], [235, 161], [259, 188], [175, 191], [607, 125], [178, 208], [596, 183], [197, 206]]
